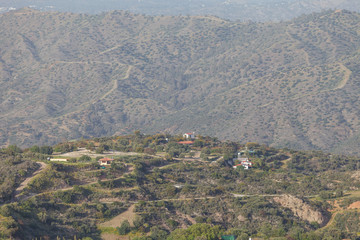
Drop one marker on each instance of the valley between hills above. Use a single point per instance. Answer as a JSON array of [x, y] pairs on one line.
[[291, 84], [91, 107]]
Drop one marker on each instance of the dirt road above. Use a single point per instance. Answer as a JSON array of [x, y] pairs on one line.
[[19, 190]]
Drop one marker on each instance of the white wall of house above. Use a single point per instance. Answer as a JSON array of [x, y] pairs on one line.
[[189, 135], [58, 160], [104, 163]]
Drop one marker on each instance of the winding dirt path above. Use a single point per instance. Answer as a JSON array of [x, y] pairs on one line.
[[116, 83], [130, 170], [346, 77], [110, 49], [19, 190], [332, 219], [114, 87], [354, 207], [340, 85]]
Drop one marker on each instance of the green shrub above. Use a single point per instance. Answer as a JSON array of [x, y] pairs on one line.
[[124, 228]]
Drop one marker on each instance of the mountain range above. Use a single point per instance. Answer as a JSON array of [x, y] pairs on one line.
[[243, 10], [289, 84]]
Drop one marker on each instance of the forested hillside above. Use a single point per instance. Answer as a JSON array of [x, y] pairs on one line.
[[294, 84], [156, 187]]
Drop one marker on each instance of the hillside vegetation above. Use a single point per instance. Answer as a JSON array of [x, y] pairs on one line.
[[293, 84], [157, 188]]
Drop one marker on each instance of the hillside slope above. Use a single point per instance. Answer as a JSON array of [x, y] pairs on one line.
[[166, 187], [65, 76]]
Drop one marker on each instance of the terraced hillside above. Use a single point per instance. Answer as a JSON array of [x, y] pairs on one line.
[[158, 188], [66, 76]]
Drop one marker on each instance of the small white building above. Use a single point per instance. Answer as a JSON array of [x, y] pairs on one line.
[[189, 135], [105, 161], [58, 159], [244, 162], [240, 154]]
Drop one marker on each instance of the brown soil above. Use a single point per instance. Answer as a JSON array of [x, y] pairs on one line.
[[116, 221], [355, 205], [27, 180], [336, 206], [82, 151]]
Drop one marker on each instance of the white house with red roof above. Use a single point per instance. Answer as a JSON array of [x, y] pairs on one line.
[[189, 135], [105, 161], [244, 162]]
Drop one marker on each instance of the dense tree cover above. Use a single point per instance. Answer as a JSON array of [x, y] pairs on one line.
[[141, 143], [43, 149], [197, 231]]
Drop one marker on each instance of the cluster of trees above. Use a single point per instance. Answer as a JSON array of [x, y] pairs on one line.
[[330, 194], [48, 150], [137, 142], [14, 169], [44, 214], [316, 161], [55, 177], [150, 144], [197, 231]]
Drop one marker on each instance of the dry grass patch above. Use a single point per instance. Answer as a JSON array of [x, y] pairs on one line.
[[116, 221]]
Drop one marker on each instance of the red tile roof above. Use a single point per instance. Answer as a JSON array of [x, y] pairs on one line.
[[186, 142]]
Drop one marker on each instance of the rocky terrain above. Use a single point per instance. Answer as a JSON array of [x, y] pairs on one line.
[[301, 209]]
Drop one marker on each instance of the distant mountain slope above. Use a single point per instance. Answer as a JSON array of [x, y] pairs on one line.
[[243, 10], [64, 76]]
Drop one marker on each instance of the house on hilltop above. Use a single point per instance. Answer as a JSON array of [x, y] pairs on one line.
[[244, 162], [189, 135], [105, 161]]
